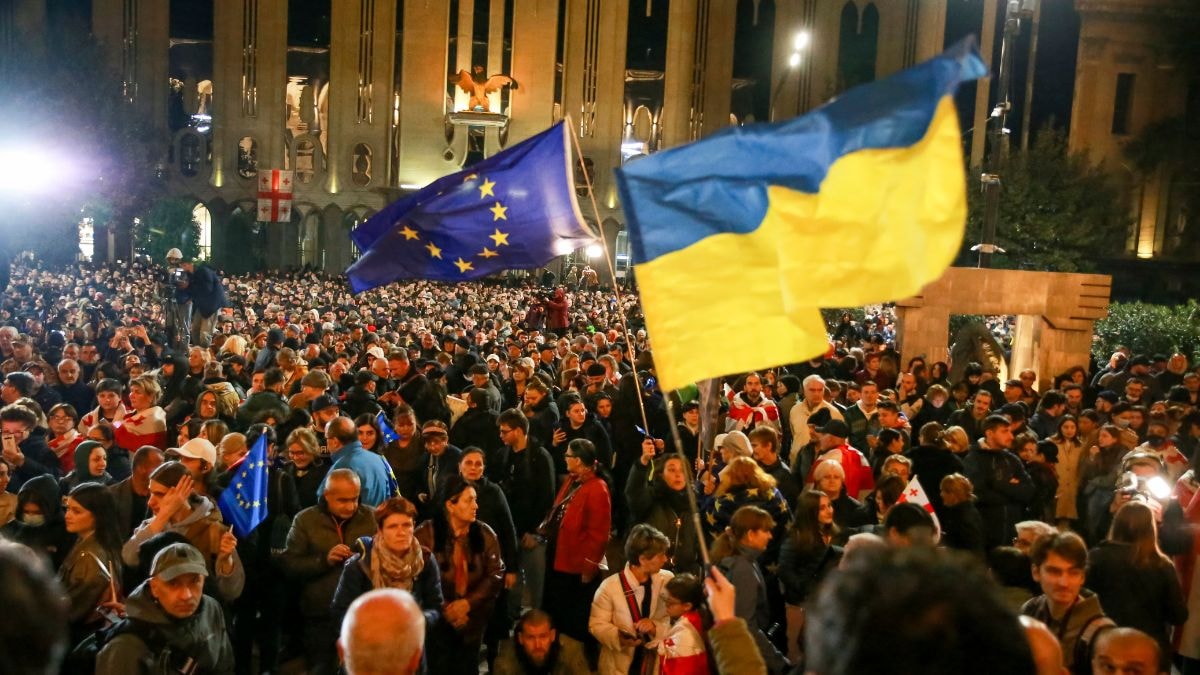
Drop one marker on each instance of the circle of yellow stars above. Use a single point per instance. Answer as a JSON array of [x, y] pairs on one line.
[[241, 500], [499, 238]]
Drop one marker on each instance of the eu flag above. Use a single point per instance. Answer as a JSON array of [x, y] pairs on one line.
[[244, 502], [514, 210], [389, 434]]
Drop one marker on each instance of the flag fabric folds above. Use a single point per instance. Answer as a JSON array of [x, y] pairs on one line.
[[746, 234], [915, 494], [244, 502], [389, 434], [514, 210]]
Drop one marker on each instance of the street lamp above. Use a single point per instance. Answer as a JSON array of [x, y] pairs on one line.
[[800, 44]]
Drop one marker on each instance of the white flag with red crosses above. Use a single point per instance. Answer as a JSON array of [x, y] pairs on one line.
[[915, 494], [274, 196]]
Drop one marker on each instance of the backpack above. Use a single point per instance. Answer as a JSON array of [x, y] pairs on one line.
[[159, 656], [1089, 635]]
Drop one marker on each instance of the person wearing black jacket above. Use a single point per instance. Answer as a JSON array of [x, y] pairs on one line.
[[24, 446], [207, 293], [1002, 486], [525, 472], [39, 523], [579, 423], [438, 463], [932, 461], [479, 426]]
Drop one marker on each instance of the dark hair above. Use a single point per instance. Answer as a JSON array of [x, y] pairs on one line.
[[533, 617], [103, 506], [886, 436], [930, 434], [368, 420], [767, 435], [256, 430], [1010, 567], [687, 588], [890, 487], [65, 407], [169, 473], [15, 412], [273, 377], [515, 419], [1066, 545], [36, 643], [993, 422], [908, 519], [807, 531], [954, 621], [584, 449]]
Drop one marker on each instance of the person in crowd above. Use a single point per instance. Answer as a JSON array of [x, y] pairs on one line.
[[537, 647], [175, 507], [71, 390], [628, 616], [168, 618], [370, 437], [39, 521], [736, 551], [439, 461], [743, 482], [90, 462], [525, 472], [830, 478], [64, 437], [856, 470], [391, 559], [318, 544], [199, 455], [1060, 563], [132, 495], [932, 461], [306, 465], [765, 446], [1039, 458], [348, 453], [35, 644], [479, 425], [961, 524], [576, 529], [656, 493], [954, 624], [806, 557], [383, 634], [145, 423], [683, 650], [1070, 456], [24, 446], [91, 573], [1136, 583], [798, 417], [577, 422], [1002, 486], [1127, 650], [472, 576], [404, 454], [1098, 473], [8, 500]]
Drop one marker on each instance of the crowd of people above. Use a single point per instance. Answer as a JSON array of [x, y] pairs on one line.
[[485, 478]]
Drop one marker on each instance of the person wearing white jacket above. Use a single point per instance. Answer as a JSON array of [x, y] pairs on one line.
[[629, 616]]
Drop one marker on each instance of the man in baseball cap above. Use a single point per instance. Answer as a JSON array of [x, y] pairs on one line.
[[171, 604], [199, 455]]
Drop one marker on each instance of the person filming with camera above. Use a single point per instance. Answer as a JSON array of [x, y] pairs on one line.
[[199, 296]]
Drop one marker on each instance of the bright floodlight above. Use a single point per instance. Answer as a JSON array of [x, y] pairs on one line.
[[594, 251], [794, 60], [24, 170], [801, 41]]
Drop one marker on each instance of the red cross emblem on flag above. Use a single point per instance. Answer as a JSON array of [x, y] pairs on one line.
[[275, 196]]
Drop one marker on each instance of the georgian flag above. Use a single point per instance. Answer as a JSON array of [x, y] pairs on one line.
[[915, 494]]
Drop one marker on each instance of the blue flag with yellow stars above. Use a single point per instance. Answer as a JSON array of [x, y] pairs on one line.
[[244, 502], [513, 210], [389, 434]]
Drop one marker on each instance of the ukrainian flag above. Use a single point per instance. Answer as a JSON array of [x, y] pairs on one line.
[[740, 238]]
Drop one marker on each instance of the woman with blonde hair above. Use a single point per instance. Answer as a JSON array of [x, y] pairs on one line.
[[956, 439], [736, 552], [235, 345], [145, 423], [744, 483]]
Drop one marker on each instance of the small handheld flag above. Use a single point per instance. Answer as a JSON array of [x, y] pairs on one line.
[[244, 502], [915, 494], [389, 434]]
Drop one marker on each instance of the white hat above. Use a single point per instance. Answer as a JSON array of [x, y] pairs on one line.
[[199, 448], [174, 254], [377, 352]]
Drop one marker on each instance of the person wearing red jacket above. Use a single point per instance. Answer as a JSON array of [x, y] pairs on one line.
[[576, 532], [557, 308]]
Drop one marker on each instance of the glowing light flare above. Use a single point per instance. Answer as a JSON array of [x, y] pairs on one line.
[[25, 170], [594, 251], [801, 41]]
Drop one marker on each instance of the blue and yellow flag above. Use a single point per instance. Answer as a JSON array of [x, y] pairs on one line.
[[740, 238], [244, 502], [514, 210], [385, 429]]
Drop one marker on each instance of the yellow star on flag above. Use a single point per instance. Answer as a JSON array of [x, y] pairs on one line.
[[485, 190], [501, 238], [409, 233], [488, 253], [498, 212], [434, 251], [463, 266]]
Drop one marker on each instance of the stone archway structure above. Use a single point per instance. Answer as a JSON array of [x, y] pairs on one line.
[[1056, 314]]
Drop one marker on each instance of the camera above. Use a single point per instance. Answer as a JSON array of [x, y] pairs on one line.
[[1143, 488]]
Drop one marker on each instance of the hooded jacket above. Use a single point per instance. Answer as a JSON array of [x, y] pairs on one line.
[[39, 460], [1083, 621], [200, 636], [82, 474], [202, 528], [50, 539]]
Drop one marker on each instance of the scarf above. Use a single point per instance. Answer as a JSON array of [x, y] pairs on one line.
[[389, 570]]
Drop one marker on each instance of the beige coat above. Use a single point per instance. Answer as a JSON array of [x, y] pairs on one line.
[[610, 615]]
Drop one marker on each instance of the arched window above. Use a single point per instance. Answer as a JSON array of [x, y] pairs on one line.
[[203, 218]]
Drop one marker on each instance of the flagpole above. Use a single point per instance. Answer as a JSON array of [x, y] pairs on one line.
[[612, 271], [671, 422]]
